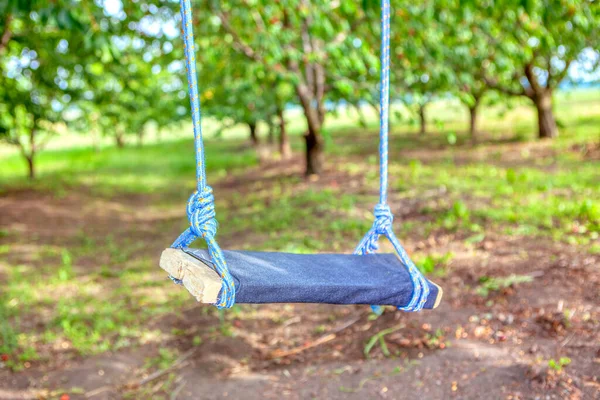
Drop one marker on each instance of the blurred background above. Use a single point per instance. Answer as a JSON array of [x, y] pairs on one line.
[[494, 175]]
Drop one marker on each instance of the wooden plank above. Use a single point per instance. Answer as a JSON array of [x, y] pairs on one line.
[[198, 278]]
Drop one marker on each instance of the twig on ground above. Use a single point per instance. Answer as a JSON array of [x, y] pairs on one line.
[[567, 340], [162, 372], [322, 340], [180, 362], [97, 391], [177, 390], [284, 353]]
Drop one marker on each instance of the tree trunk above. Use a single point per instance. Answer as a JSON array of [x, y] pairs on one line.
[[119, 140], [422, 120], [473, 113], [284, 142], [271, 133], [30, 156], [30, 165], [546, 123], [141, 137], [7, 34], [95, 139], [314, 145], [314, 153], [253, 136]]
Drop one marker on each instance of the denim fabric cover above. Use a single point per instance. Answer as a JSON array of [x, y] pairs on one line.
[[374, 279]]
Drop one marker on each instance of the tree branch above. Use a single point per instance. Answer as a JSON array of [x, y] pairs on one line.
[[259, 20], [7, 34], [309, 70], [532, 78], [15, 141], [493, 83], [557, 79], [342, 36], [240, 45]]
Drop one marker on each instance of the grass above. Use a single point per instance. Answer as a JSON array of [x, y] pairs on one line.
[[488, 284], [150, 169], [98, 288]]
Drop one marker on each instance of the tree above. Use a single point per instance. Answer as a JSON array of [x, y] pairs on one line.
[[60, 57], [232, 94], [463, 56], [531, 45], [299, 41], [40, 46], [125, 96], [420, 68]]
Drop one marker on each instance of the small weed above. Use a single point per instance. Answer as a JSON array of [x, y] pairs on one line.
[[9, 343], [435, 340], [15, 348], [65, 271], [492, 284], [165, 358], [558, 365], [478, 238], [321, 329], [434, 264], [361, 384], [379, 337], [458, 215], [225, 327]]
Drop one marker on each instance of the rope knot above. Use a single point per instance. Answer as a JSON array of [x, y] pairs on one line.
[[383, 219], [201, 213], [381, 226]]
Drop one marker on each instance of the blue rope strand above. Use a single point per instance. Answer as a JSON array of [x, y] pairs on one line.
[[201, 204], [190, 63], [384, 101], [383, 215]]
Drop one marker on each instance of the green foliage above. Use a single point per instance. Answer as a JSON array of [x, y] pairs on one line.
[[379, 338], [458, 215], [43, 44], [488, 284], [560, 364], [15, 348], [165, 358], [9, 337], [64, 63], [434, 264]]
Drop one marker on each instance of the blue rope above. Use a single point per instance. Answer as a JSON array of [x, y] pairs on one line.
[[383, 215], [201, 204]]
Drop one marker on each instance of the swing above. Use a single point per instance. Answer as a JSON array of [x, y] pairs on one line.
[[224, 278]]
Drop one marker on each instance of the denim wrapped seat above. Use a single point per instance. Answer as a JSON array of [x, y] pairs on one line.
[[263, 277]]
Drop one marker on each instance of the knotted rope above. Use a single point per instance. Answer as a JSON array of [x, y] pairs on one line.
[[201, 204], [383, 215]]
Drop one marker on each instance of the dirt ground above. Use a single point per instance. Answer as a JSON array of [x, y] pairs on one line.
[[471, 347]]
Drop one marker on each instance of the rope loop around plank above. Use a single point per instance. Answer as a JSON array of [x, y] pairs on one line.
[[201, 204], [383, 215], [202, 217]]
